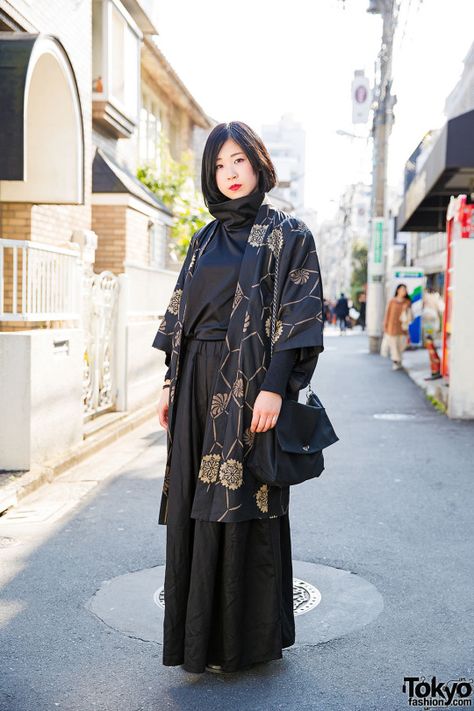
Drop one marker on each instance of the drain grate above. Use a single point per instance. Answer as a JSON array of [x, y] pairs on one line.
[[305, 597]]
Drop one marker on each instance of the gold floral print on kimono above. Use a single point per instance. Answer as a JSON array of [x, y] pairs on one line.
[[226, 490]]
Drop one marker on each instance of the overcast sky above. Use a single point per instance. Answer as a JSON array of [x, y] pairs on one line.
[[254, 60]]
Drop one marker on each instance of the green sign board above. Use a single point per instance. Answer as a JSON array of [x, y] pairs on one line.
[[377, 246], [404, 274]]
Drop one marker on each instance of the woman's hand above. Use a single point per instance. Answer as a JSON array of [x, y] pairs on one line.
[[265, 411], [163, 407]]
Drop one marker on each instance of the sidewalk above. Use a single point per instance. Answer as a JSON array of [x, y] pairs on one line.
[[416, 364], [15, 485]]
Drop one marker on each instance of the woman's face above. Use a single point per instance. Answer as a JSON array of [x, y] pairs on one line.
[[401, 292], [235, 176]]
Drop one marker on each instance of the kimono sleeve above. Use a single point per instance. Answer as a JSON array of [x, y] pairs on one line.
[[164, 335], [299, 322]]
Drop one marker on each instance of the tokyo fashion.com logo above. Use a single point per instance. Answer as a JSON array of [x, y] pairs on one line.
[[429, 694]]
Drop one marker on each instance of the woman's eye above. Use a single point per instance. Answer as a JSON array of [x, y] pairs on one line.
[[238, 160], [218, 166]]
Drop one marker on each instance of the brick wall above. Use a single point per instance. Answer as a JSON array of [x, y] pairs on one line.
[[109, 222], [137, 237]]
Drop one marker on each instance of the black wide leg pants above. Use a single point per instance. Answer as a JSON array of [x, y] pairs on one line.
[[228, 586]]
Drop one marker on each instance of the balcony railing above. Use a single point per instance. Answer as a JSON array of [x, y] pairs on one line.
[[39, 282]]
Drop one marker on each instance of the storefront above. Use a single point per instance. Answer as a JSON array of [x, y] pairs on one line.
[[440, 174]]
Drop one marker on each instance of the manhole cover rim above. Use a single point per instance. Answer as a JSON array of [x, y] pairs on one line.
[[313, 596]]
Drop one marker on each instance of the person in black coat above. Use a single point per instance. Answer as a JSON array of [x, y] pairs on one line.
[[342, 312]]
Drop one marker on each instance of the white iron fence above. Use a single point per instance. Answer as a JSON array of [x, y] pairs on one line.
[[39, 282]]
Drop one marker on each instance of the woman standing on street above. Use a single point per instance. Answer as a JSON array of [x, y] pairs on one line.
[[395, 325], [228, 580]]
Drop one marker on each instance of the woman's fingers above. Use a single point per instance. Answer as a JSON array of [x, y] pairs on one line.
[[262, 421], [163, 408]]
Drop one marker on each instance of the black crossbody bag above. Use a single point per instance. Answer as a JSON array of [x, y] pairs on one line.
[[292, 451]]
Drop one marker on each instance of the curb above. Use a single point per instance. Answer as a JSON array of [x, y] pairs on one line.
[[24, 484], [436, 391]]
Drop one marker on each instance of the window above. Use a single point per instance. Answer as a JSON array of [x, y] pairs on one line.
[[158, 236], [150, 132], [115, 66]]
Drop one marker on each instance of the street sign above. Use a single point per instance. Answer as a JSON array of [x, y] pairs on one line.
[[361, 97], [376, 265]]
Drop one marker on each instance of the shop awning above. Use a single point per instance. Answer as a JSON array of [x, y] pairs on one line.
[[448, 170], [41, 131]]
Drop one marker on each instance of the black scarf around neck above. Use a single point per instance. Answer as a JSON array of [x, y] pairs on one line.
[[238, 212]]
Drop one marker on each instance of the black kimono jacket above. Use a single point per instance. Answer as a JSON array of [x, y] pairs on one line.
[[226, 490]]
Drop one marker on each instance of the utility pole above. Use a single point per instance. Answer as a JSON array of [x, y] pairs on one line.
[[382, 123]]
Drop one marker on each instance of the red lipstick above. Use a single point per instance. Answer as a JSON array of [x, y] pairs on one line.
[[235, 186]]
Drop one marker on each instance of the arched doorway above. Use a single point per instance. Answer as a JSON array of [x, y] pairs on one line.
[[41, 126]]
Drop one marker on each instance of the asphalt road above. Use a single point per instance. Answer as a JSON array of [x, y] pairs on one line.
[[394, 507]]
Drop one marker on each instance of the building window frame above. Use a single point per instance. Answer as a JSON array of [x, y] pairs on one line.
[[116, 81]]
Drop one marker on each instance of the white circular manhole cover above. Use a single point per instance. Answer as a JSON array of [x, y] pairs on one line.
[[393, 416], [340, 602], [305, 596]]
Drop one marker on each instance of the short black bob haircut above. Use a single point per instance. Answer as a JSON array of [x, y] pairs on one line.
[[253, 147]]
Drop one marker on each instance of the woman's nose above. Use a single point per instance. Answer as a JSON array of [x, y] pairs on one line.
[[231, 173]]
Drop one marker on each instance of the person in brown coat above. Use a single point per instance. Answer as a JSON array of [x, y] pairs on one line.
[[395, 325]]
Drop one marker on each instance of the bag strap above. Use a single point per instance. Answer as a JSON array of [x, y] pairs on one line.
[[273, 320], [275, 294]]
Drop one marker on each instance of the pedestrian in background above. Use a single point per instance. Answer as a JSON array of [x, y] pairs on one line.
[[327, 312], [228, 579], [397, 318], [362, 309], [342, 312]]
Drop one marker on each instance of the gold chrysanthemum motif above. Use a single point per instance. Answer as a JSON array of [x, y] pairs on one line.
[[275, 240], [237, 297], [238, 387], [246, 322], [278, 328], [230, 474], [262, 498], [299, 276], [162, 326], [248, 437], [218, 404], [257, 233], [209, 470], [173, 305]]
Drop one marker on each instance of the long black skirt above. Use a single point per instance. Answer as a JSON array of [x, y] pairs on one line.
[[228, 588]]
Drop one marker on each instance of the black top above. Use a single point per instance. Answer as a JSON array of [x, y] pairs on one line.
[[212, 288]]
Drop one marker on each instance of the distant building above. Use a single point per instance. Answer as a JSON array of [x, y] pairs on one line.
[[335, 238], [461, 99], [426, 246], [286, 143]]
